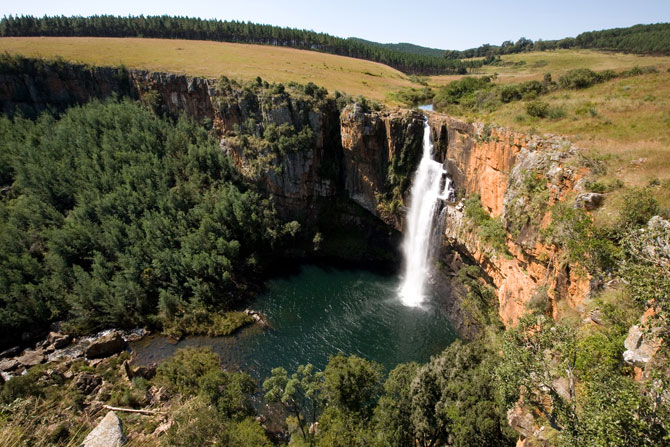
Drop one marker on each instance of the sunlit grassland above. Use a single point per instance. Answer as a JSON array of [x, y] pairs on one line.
[[213, 59], [625, 121], [536, 64]]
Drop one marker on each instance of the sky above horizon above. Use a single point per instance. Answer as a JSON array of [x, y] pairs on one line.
[[444, 24]]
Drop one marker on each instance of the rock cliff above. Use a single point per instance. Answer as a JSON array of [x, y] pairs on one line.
[[499, 165], [344, 174]]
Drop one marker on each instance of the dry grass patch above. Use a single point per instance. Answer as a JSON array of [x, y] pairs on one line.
[[532, 66], [213, 59]]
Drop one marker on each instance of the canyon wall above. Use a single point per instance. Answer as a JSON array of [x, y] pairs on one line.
[[498, 164], [347, 175]]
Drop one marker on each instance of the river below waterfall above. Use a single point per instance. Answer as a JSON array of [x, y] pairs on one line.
[[317, 313]]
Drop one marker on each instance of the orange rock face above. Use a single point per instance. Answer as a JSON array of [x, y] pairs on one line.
[[480, 161]]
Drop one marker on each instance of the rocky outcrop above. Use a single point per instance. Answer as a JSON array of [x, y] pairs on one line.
[[108, 433], [640, 347], [643, 341], [87, 383], [107, 345], [370, 141], [31, 358], [589, 201], [499, 165]]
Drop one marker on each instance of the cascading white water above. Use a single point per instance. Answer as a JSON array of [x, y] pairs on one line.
[[426, 193]]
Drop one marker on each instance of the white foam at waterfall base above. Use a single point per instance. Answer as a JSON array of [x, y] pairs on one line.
[[427, 192]]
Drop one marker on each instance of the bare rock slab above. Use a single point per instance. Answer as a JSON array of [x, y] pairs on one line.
[[108, 433]]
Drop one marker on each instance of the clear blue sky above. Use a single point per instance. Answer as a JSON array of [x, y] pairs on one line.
[[445, 24]]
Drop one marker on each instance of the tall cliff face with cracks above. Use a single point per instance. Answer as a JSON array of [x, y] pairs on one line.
[[517, 178]]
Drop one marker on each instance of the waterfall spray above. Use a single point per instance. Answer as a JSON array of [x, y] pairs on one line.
[[428, 190]]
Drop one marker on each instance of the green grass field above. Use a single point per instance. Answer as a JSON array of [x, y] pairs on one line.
[[213, 59]]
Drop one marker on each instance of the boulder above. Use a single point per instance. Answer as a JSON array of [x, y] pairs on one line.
[[108, 433], [106, 345], [58, 340], [147, 372], [86, 383], [137, 335], [640, 347], [31, 358], [8, 364], [521, 421], [11, 352], [589, 201]]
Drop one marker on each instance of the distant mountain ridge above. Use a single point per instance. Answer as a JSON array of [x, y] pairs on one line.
[[405, 47]]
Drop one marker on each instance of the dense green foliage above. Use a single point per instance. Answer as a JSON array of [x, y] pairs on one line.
[[167, 27], [448, 401], [218, 410], [641, 39], [644, 39], [111, 216], [465, 92], [544, 360], [413, 97]]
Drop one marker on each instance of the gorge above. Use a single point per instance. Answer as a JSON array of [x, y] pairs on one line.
[[215, 195], [348, 184]]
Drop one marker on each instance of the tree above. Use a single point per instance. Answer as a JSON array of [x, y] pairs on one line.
[[394, 409], [352, 384], [537, 354], [453, 400], [300, 394]]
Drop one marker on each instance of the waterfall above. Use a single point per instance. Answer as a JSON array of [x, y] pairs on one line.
[[430, 187]]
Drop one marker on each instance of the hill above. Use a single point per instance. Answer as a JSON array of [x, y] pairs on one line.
[[213, 59], [651, 39], [404, 47], [168, 27]]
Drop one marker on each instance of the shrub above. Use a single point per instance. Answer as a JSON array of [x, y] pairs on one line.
[[583, 243], [579, 78], [555, 113], [639, 205], [228, 392], [183, 371], [540, 301], [537, 109], [455, 91], [490, 230], [510, 93], [22, 386]]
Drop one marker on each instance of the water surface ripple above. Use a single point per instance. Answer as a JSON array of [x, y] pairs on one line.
[[318, 313]]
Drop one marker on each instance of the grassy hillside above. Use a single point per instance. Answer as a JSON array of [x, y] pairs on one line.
[[191, 28], [532, 66], [626, 122], [213, 59]]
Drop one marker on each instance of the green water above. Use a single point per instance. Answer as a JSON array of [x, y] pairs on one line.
[[318, 313]]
